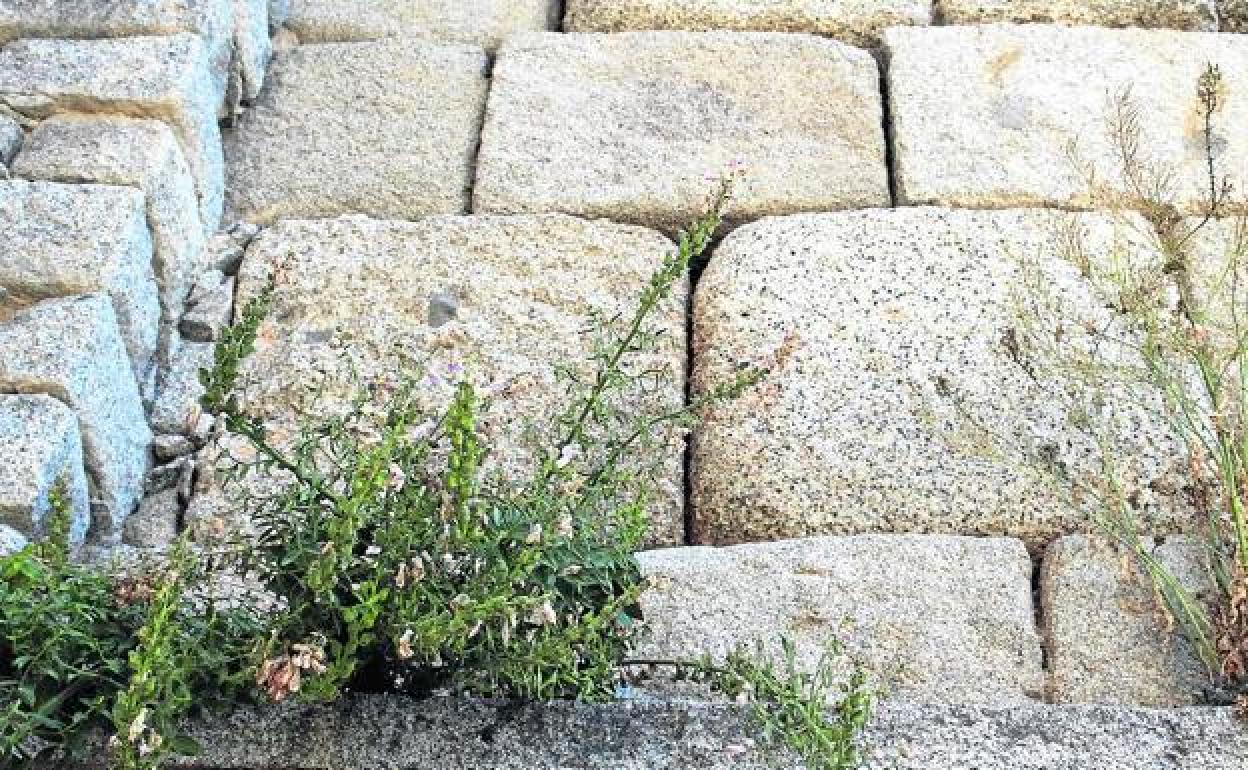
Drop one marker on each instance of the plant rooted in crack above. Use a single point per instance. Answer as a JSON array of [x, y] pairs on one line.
[[129, 655], [1178, 310], [819, 714], [396, 564]]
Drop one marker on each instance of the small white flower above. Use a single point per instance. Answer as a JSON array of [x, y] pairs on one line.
[[420, 432], [396, 478], [563, 527], [372, 550], [138, 725], [509, 623], [151, 743], [543, 615], [535, 534], [569, 453], [405, 645]]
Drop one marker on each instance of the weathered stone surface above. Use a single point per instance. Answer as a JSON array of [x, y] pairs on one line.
[[1173, 14], [279, 13], [986, 116], [252, 47], [58, 240], [907, 737], [40, 451], [225, 249], [225, 254], [166, 78], [392, 127], [171, 446], [356, 292], [212, 20], [11, 138], [176, 408], [212, 513], [1107, 636], [857, 21], [486, 23], [72, 349], [896, 401], [177, 476], [135, 153], [629, 126], [155, 523], [162, 477], [962, 630], [1233, 15], [186, 479], [11, 541], [209, 308], [386, 733]]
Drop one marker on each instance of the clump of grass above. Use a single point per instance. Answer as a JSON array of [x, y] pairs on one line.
[[792, 705], [1180, 321], [384, 560], [398, 567], [83, 652]]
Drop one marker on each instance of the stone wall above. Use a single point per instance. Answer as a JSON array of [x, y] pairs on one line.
[[462, 180]]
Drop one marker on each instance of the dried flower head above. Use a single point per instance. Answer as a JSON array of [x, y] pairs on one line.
[[543, 615], [134, 590], [405, 645], [535, 534], [279, 678]]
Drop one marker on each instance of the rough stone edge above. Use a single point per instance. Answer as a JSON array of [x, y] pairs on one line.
[[388, 733]]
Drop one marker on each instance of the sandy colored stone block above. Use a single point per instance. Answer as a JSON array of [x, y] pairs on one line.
[[485, 23], [279, 12], [252, 46], [235, 33], [40, 452], [72, 349], [388, 129], [211, 20], [11, 541], [155, 523], [165, 78], [858, 22], [502, 301], [11, 138], [898, 398], [176, 408], [1000, 116], [961, 631], [1107, 635], [1169, 14], [635, 127], [209, 309], [430, 734], [59, 240], [135, 153]]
